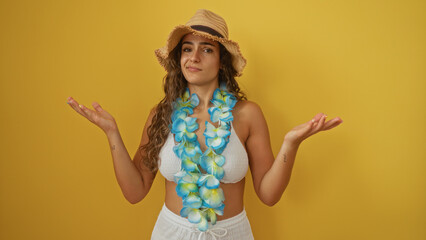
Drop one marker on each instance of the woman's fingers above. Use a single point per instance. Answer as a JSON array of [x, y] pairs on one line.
[[90, 114], [97, 107], [98, 116], [318, 117], [318, 123], [82, 110], [318, 120], [332, 123], [321, 123], [74, 104]]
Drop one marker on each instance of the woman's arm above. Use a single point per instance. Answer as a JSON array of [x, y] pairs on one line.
[[271, 176], [275, 181], [147, 176], [134, 180], [133, 177], [128, 176]]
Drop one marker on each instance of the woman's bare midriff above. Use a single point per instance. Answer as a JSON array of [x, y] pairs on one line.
[[234, 194]]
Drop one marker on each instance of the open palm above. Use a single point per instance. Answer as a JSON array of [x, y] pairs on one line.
[[99, 116], [305, 130]]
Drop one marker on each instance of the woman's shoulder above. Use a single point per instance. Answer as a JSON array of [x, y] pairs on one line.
[[247, 113], [247, 108]]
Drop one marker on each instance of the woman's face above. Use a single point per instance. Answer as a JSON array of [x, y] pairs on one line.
[[200, 59]]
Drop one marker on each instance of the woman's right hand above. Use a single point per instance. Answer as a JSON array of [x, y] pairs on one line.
[[99, 117]]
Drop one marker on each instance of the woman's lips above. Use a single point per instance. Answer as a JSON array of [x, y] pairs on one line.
[[192, 69]]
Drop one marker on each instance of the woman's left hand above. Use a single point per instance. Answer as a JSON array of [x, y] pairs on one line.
[[305, 130]]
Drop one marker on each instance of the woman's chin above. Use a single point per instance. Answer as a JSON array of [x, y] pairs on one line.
[[197, 81], [200, 80]]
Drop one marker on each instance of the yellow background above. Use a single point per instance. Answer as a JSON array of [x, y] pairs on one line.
[[363, 61]]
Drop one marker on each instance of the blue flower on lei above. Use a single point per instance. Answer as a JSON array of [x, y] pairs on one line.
[[223, 103], [184, 128]]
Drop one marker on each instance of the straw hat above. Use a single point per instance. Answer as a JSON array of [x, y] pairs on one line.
[[209, 25]]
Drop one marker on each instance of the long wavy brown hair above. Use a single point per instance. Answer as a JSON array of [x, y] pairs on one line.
[[174, 85]]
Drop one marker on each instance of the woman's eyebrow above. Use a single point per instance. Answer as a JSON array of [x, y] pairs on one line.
[[201, 43]]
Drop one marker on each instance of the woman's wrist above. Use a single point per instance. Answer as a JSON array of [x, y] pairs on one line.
[[112, 132], [291, 144]]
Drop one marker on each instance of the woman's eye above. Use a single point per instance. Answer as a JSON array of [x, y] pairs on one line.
[[207, 50]]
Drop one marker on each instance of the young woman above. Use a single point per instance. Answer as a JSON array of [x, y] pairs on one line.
[[203, 137]]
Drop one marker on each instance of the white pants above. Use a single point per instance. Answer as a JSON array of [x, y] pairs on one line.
[[170, 226]]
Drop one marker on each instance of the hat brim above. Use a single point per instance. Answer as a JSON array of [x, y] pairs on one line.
[[238, 61]]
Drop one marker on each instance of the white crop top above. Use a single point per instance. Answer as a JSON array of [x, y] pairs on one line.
[[236, 159]]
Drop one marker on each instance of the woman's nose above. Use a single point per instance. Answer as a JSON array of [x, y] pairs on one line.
[[195, 57]]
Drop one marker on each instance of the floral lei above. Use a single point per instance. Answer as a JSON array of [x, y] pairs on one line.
[[201, 195]]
